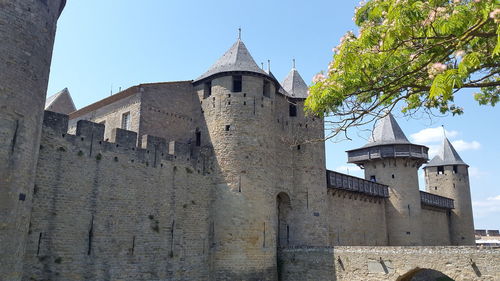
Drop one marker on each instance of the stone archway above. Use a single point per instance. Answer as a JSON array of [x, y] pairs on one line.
[[424, 274], [284, 209]]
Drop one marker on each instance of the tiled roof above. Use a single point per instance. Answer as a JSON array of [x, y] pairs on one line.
[[447, 155], [294, 85], [237, 58], [387, 131]]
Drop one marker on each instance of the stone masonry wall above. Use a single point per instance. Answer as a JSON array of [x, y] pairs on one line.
[[387, 263], [27, 30], [435, 226], [170, 110], [454, 185], [403, 210], [111, 115], [112, 211], [356, 219]]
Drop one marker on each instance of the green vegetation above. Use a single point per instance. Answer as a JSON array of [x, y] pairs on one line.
[[417, 53]]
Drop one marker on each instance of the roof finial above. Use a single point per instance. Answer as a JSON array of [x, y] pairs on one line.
[[444, 131], [269, 65], [293, 60], [239, 33], [262, 65]]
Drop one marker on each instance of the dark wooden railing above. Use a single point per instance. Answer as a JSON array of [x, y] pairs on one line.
[[346, 182]]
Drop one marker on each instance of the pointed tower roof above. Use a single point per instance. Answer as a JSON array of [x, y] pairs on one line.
[[387, 131], [237, 58], [447, 155], [388, 141], [60, 102], [294, 85]]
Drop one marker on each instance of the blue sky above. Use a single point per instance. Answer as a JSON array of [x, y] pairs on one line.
[[104, 46]]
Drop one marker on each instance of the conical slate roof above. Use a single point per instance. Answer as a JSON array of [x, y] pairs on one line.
[[60, 102], [237, 58], [295, 85], [447, 155], [387, 131]]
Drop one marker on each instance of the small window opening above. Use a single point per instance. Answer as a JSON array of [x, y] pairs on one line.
[[244, 94], [373, 178], [440, 170], [227, 127], [207, 91], [126, 121], [198, 138], [298, 147], [292, 110], [228, 95], [237, 83], [435, 188], [455, 169], [244, 103], [392, 175], [266, 91]]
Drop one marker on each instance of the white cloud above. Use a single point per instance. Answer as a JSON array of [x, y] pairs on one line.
[[352, 170], [461, 145], [431, 135], [474, 172], [433, 150], [488, 207]]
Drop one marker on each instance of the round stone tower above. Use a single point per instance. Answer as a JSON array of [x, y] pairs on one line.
[[27, 30], [447, 175], [237, 100], [389, 158]]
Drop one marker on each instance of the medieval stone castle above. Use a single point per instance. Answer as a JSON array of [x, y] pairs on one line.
[[218, 178]]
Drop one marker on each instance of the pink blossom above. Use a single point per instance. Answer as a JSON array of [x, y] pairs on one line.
[[436, 68], [318, 78], [495, 15]]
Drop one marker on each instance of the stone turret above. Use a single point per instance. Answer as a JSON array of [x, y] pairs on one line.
[[447, 175], [237, 100], [389, 158], [27, 30]]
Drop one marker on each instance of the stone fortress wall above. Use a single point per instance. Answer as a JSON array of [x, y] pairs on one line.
[[112, 210]]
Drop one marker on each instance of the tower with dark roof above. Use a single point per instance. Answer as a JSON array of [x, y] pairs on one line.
[[236, 97], [265, 177], [389, 158], [447, 175]]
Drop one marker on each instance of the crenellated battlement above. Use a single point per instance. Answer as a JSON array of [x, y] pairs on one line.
[[89, 140]]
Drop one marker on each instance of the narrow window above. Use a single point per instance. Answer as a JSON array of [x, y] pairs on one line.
[[373, 178], [440, 170], [126, 121], [266, 91], [207, 91], [455, 169], [237, 83], [227, 127], [198, 138], [292, 110]]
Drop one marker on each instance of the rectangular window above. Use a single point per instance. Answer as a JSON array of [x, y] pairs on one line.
[[292, 110], [198, 138], [126, 121], [440, 170], [266, 91], [455, 169], [207, 91], [373, 178], [237, 83]]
